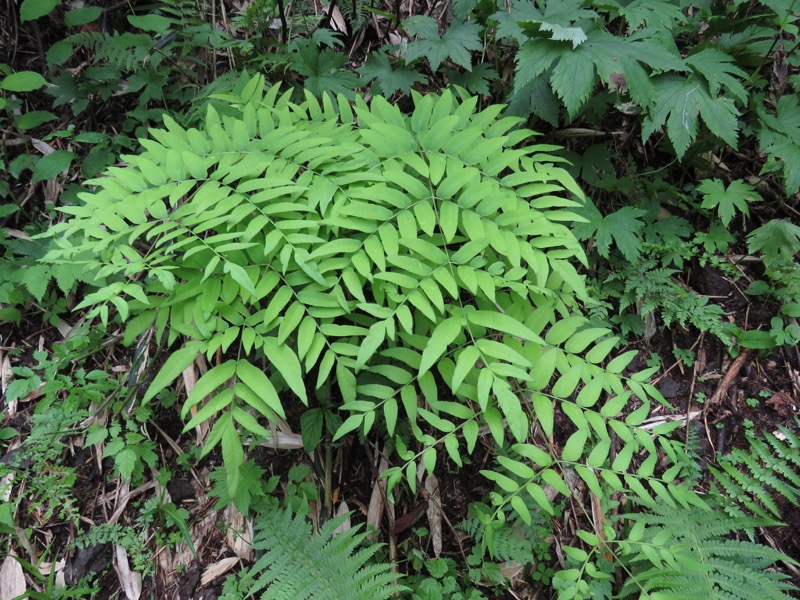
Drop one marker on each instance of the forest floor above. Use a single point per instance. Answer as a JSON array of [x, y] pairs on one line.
[[720, 399]]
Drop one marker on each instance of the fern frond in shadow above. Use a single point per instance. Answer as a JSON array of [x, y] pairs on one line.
[[298, 566], [754, 478], [686, 554]]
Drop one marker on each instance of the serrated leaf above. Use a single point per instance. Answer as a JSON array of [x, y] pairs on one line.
[[475, 81], [36, 278], [572, 80], [125, 462], [387, 78], [533, 59], [621, 227], [776, 238], [460, 39], [720, 71], [680, 102], [728, 201]]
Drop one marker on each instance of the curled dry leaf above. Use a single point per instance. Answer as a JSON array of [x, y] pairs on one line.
[[47, 569], [131, 581], [346, 524], [12, 579], [375, 511], [6, 377], [284, 441], [511, 569], [239, 536], [434, 512], [6, 374]]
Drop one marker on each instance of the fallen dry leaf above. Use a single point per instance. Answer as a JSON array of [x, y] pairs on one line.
[[212, 572], [131, 581], [12, 579], [434, 512]]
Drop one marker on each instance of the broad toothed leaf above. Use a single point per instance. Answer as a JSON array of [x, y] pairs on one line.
[[457, 44], [680, 102], [387, 78], [727, 201]]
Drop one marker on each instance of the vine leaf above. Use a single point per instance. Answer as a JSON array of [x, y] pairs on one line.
[[387, 78], [621, 227], [718, 69], [475, 81], [777, 238], [457, 43], [679, 102], [727, 201], [656, 14], [323, 69], [779, 137]]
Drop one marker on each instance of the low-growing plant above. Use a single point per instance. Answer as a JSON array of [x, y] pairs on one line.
[[414, 272], [325, 566], [362, 255]]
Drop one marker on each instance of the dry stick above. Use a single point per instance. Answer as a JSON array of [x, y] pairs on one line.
[[722, 390], [727, 380]]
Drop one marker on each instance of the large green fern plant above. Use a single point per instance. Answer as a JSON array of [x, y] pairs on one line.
[[415, 270]]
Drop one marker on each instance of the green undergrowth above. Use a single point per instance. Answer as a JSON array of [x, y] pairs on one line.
[[416, 272], [411, 270]]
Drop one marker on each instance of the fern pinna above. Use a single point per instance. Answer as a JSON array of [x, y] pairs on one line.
[[295, 565], [752, 479], [674, 553]]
